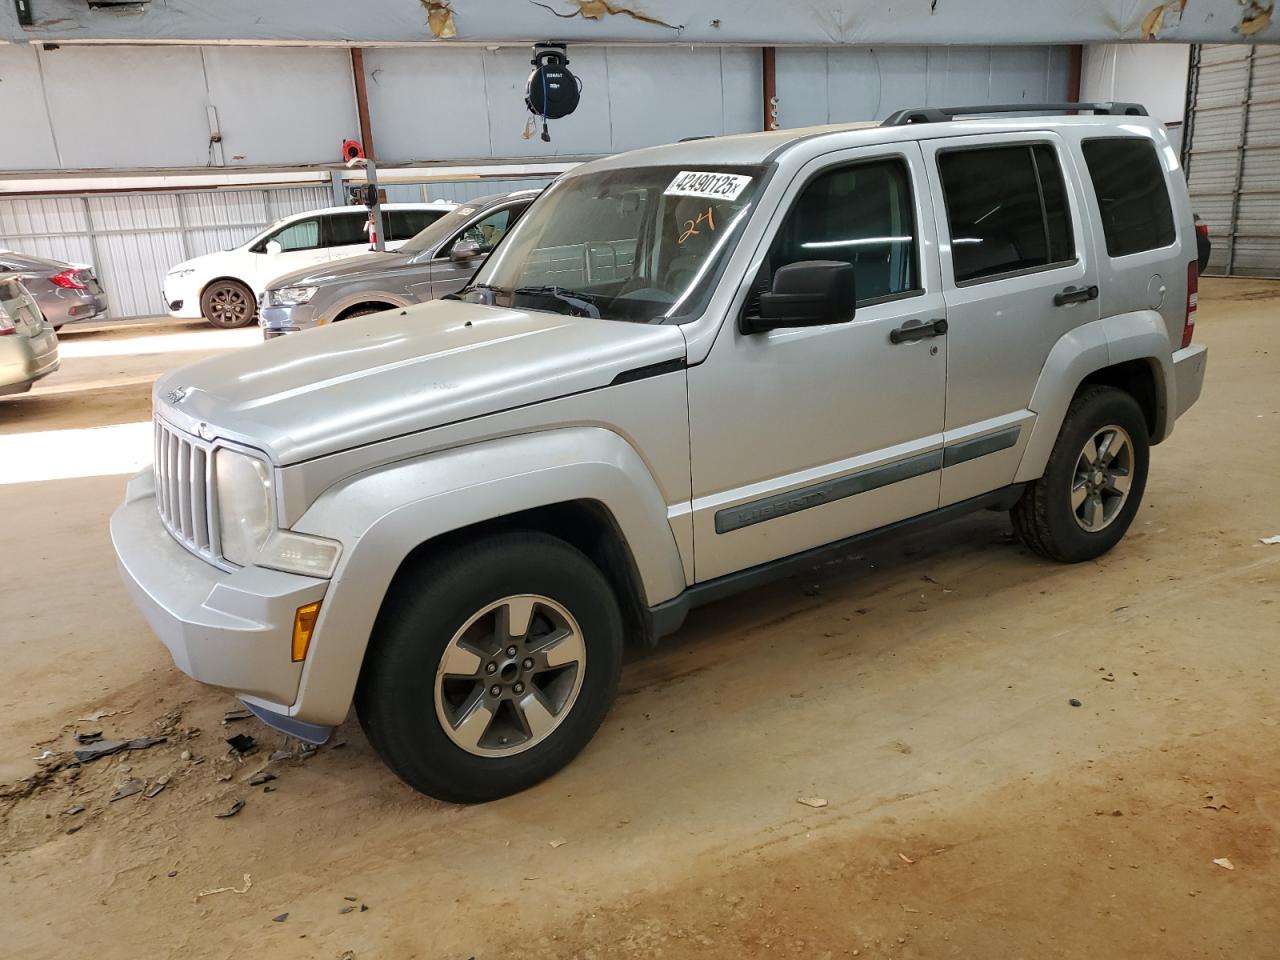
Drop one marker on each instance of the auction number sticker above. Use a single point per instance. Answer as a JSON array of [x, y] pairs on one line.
[[713, 186]]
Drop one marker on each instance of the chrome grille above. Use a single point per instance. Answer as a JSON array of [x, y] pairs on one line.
[[183, 490]]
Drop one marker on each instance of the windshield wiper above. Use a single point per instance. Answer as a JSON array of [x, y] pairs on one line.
[[583, 302]]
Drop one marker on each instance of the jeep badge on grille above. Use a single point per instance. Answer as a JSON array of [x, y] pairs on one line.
[[176, 396]]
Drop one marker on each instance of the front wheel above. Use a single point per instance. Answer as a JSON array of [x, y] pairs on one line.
[[228, 303], [491, 666], [1093, 483]]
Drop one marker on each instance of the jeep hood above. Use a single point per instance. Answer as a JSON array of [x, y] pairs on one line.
[[322, 273], [372, 378]]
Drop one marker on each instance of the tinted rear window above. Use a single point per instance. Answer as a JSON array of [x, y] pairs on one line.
[[1133, 199], [403, 224]]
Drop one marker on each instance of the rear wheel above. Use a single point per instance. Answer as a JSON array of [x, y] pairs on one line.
[[491, 666], [1093, 484], [228, 303]]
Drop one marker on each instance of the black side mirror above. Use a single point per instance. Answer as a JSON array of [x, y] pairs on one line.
[[809, 293], [465, 250]]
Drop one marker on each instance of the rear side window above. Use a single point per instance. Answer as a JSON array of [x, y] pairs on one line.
[[861, 214], [403, 224], [346, 229], [1133, 199], [303, 235], [1006, 210]]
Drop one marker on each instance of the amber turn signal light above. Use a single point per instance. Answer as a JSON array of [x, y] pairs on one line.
[[304, 622]]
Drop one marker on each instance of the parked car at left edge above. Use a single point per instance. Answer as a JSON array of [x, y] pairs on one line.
[[65, 292], [28, 343]]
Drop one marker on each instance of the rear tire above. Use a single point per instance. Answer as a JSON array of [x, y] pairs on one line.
[[228, 304], [1092, 486], [443, 700]]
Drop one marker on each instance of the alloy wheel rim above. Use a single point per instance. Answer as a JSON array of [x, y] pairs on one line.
[[1102, 479], [510, 676], [228, 303]]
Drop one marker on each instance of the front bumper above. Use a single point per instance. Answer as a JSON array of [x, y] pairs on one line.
[[277, 321], [229, 630], [1188, 375], [181, 299], [24, 360]]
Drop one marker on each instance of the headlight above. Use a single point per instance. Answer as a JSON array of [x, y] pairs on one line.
[[291, 296], [179, 274], [245, 499]]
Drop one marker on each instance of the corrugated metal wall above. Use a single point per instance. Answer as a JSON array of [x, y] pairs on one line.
[[1232, 155]]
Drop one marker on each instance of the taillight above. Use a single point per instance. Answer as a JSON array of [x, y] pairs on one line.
[[1193, 299], [1202, 229], [67, 280], [6, 323]]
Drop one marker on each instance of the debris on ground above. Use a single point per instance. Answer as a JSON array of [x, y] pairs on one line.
[[904, 858], [280, 918], [1270, 541], [127, 789], [1224, 863], [261, 777], [231, 811], [155, 788], [1074, 702], [248, 882], [231, 716], [242, 743], [44, 756], [346, 909], [185, 755], [351, 899], [105, 748], [557, 843], [86, 738], [72, 811], [96, 716], [815, 802], [74, 827], [280, 755]]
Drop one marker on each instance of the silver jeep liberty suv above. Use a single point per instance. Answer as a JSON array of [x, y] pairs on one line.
[[685, 370]]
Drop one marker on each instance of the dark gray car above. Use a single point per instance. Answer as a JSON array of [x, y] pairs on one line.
[[65, 292], [438, 261]]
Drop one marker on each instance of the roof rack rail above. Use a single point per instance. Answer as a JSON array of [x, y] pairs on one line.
[[942, 114]]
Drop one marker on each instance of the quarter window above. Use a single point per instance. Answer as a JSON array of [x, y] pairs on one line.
[[1006, 210], [861, 214], [1133, 199]]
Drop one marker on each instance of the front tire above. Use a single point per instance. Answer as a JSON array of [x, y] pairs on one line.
[[1092, 486], [491, 666], [228, 304]]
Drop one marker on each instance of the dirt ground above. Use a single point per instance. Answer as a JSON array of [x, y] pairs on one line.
[[921, 690]]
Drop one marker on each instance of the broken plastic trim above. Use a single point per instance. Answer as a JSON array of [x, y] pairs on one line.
[[307, 732]]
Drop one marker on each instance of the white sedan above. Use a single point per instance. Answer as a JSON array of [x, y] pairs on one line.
[[219, 286]]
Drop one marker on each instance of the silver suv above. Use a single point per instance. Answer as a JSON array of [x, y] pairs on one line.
[[687, 369], [435, 263]]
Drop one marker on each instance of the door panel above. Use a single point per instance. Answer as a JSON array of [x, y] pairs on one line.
[[804, 436], [1003, 208]]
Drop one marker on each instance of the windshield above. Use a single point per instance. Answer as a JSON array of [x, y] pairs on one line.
[[641, 244]]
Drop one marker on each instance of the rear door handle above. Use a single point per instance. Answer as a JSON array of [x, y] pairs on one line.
[[918, 330], [1075, 295]]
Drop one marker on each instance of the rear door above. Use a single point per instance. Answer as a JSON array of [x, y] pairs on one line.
[[1017, 275]]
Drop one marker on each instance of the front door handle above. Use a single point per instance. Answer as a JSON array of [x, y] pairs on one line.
[[1075, 295], [918, 330]]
